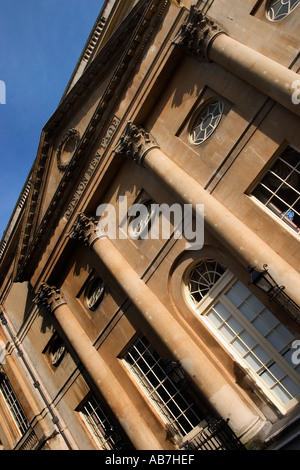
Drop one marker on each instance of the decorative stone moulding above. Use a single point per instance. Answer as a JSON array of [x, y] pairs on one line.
[[67, 148], [94, 293], [85, 229], [57, 351], [197, 33], [135, 143], [49, 297]]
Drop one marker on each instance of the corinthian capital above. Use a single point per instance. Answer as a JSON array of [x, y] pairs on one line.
[[50, 297], [135, 143], [85, 229], [197, 33]]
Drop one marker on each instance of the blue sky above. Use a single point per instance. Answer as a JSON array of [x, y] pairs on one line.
[[40, 44]]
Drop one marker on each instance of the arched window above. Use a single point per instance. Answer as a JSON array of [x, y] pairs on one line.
[[246, 328], [202, 277], [279, 9]]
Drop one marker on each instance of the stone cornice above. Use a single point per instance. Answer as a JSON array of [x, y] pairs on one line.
[[49, 297], [197, 33], [135, 143], [145, 24]]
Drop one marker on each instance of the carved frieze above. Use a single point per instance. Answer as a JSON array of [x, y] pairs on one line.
[[197, 33], [135, 143], [49, 297]]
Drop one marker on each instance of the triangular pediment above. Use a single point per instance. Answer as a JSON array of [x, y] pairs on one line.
[[69, 136]]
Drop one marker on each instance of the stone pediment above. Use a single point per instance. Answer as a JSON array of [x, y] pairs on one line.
[[68, 143]]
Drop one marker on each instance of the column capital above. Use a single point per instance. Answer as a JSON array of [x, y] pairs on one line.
[[49, 296], [197, 33], [135, 142], [85, 229]]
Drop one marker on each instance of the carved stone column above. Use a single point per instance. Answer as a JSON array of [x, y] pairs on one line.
[[135, 143], [124, 410], [86, 230], [49, 297], [238, 238], [224, 397], [201, 37], [197, 33]]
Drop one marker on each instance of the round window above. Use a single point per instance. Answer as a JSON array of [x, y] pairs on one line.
[[66, 148], [206, 122], [94, 293], [202, 277], [279, 9]]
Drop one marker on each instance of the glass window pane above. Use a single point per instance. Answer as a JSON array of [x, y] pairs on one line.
[[284, 333], [279, 189], [269, 318], [253, 362], [281, 393], [240, 347], [290, 386], [247, 311], [268, 378], [222, 311], [215, 318], [277, 372], [261, 326], [234, 297], [207, 122], [279, 9], [256, 304], [234, 325], [248, 339], [261, 354], [276, 341], [227, 332], [242, 290]]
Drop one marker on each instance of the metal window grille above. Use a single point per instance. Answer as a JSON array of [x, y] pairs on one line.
[[214, 435], [279, 189], [163, 385], [13, 405], [100, 425]]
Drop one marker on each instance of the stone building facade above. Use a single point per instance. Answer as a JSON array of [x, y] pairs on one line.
[[178, 128]]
